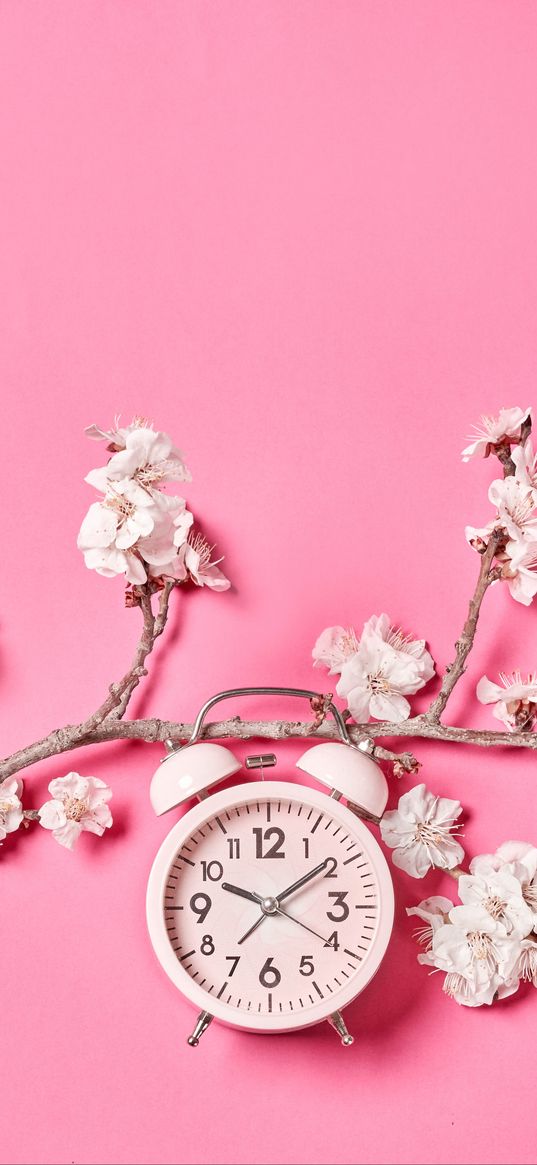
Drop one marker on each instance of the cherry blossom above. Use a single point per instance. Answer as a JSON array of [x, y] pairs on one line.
[[524, 963], [334, 646], [516, 508], [77, 803], [386, 667], [109, 562], [113, 529], [434, 912], [204, 573], [498, 892], [420, 832], [486, 946], [182, 521], [515, 701], [516, 554], [11, 813], [516, 514], [148, 457], [518, 563], [160, 546], [477, 954], [117, 436], [505, 429], [126, 514], [519, 858], [478, 536], [136, 529], [525, 462]]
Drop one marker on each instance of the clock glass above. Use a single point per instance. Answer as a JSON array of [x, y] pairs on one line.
[[270, 905]]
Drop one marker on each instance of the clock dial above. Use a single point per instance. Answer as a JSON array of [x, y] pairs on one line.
[[272, 906]]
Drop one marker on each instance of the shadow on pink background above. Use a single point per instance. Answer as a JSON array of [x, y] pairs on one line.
[[301, 237]]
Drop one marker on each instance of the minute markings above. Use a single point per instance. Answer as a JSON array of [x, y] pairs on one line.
[[182, 884]]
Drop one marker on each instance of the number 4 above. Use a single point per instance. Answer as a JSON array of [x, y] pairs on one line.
[[333, 941]]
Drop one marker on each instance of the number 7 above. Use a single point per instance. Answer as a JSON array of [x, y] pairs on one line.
[[234, 959]]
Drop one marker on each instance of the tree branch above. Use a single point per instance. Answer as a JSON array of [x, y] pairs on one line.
[[153, 627], [464, 645], [156, 731]]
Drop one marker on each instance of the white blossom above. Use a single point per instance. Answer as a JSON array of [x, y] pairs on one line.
[[477, 954], [109, 562], [518, 858], [125, 514], [131, 528], [515, 701], [516, 553], [77, 803], [478, 536], [117, 436], [11, 813], [146, 456], [516, 515], [505, 429], [420, 832], [203, 572], [433, 912], [516, 509], [386, 667], [524, 963], [109, 533], [182, 522], [525, 462], [334, 646], [160, 546], [136, 529], [518, 562], [499, 893]]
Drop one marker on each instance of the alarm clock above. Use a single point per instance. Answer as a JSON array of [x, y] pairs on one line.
[[269, 903]]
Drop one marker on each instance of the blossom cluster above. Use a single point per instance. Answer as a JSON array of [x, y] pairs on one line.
[[136, 529], [487, 944], [514, 498], [378, 670], [515, 559], [77, 803]]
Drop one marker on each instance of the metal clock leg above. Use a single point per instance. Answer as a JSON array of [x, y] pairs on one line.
[[202, 1023], [336, 1021]]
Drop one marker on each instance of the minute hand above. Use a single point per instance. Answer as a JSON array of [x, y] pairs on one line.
[[302, 881]]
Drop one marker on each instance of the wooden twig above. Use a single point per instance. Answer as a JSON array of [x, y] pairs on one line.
[[465, 643], [154, 731]]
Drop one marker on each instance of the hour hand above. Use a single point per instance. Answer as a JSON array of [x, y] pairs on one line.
[[242, 893], [302, 881]]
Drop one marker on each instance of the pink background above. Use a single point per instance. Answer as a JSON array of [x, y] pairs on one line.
[[300, 235]]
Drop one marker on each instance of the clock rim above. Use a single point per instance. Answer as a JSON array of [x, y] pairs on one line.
[[183, 829]]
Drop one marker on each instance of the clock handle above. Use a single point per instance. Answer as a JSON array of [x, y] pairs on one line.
[[302, 693]]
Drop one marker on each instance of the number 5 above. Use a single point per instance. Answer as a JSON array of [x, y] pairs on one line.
[[306, 965]]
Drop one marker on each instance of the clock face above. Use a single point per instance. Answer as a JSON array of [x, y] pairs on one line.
[[270, 905]]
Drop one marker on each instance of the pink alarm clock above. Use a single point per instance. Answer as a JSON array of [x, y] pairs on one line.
[[270, 904]]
